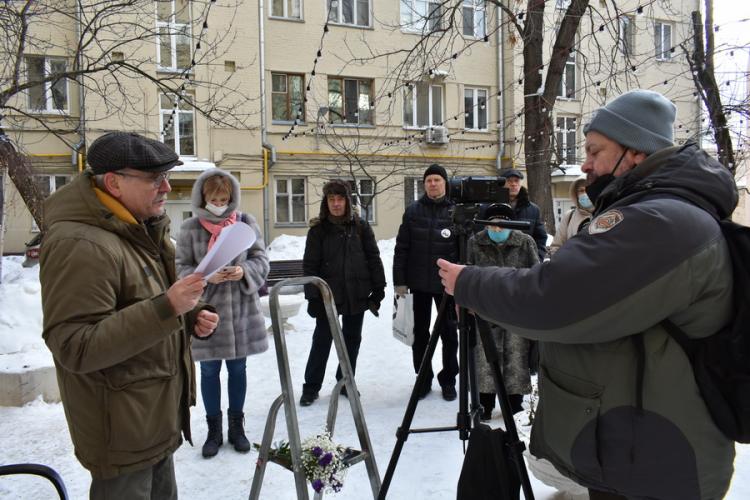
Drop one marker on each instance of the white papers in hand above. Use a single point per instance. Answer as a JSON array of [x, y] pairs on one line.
[[232, 241]]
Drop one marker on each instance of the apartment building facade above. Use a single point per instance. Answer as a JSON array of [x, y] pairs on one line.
[[372, 92]]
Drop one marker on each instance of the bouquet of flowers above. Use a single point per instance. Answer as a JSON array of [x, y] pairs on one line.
[[322, 460], [323, 463]]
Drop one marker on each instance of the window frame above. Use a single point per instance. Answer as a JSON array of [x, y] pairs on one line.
[[666, 53], [562, 90], [48, 86], [476, 6], [286, 16], [413, 89], [173, 27], [562, 139], [292, 116], [416, 191], [413, 21], [355, 186], [626, 42], [289, 195], [51, 188], [164, 115], [474, 107], [339, 18], [342, 121]]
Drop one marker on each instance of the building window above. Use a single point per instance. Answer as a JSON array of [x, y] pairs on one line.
[[565, 133], [423, 105], [363, 194], [290, 200], [475, 109], [48, 184], [50, 95], [568, 81], [422, 16], [663, 41], [290, 9], [173, 25], [627, 35], [349, 101], [352, 12], [475, 18], [180, 132], [287, 97], [413, 190]]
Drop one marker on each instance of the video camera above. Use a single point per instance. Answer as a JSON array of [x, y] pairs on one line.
[[470, 194], [463, 190]]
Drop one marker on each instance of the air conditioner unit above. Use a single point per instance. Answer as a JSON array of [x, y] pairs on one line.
[[436, 135]]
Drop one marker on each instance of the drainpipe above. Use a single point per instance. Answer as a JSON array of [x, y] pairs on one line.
[[500, 88], [263, 118], [81, 146]]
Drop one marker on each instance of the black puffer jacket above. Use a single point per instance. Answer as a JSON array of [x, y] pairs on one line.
[[346, 256], [527, 210], [425, 235]]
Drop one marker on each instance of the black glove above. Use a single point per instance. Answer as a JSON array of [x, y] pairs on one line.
[[315, 308], [373, 306]]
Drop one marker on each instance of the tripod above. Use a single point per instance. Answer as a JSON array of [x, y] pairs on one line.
[[463, 219]]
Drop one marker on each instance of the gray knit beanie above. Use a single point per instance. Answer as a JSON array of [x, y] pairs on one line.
[[640, 119]]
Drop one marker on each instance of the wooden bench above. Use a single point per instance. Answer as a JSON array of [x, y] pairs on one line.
[[283, 269]]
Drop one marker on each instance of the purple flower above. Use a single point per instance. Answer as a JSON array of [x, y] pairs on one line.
[[317, 451], [317, 485], [325, 459]]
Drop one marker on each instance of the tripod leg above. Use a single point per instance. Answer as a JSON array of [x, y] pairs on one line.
[[516, 445], [402, 433]]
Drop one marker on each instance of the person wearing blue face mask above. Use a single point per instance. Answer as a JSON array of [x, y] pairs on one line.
[[498, 246], [576, 218]]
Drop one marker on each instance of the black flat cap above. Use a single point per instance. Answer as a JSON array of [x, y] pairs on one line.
[[511, 172], [117, 150]]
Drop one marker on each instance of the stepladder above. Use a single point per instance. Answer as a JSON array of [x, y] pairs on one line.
[[287, 400]]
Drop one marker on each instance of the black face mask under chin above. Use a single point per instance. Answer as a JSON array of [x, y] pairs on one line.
[[600, 183]]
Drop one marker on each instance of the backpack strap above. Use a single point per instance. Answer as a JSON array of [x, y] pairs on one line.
[[640, 352]]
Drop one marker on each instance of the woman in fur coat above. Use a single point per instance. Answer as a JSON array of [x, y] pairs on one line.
[[497, 246], [234, 293]]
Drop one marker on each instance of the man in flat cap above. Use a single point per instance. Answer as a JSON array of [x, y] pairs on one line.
[[526, 210], [117, 320], [619, 409]]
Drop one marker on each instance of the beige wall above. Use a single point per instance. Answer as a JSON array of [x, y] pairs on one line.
[[387, 151]]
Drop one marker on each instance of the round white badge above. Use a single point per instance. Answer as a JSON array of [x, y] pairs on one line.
[[445, 233]]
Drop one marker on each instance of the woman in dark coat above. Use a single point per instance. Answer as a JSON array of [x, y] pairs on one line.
[[496, 246], [341, 249]]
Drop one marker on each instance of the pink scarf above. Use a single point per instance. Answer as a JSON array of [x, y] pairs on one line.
[[215, 229]]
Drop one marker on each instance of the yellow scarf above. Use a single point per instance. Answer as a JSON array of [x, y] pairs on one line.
[[115, 206]]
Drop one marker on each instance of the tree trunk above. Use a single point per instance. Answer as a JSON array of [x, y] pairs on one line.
[[21, 174], [540, 96], [702, 63]]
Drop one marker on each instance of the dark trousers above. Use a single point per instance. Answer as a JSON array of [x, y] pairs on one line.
[[211, 385], [351, 327], [152, 483], [448, 335]]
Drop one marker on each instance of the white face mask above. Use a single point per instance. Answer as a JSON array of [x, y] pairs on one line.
[[215, 209]]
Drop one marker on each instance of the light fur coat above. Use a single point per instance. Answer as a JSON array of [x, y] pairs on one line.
[[241, 330]]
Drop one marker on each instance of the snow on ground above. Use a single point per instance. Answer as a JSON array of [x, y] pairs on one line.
[[427, 469]]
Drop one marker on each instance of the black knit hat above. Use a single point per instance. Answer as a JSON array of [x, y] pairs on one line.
[[498, 211], [436, 169], [117, 150]]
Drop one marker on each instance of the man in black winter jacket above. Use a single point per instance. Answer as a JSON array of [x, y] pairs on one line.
[[341, 249], [526, 210], [424, 236]]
